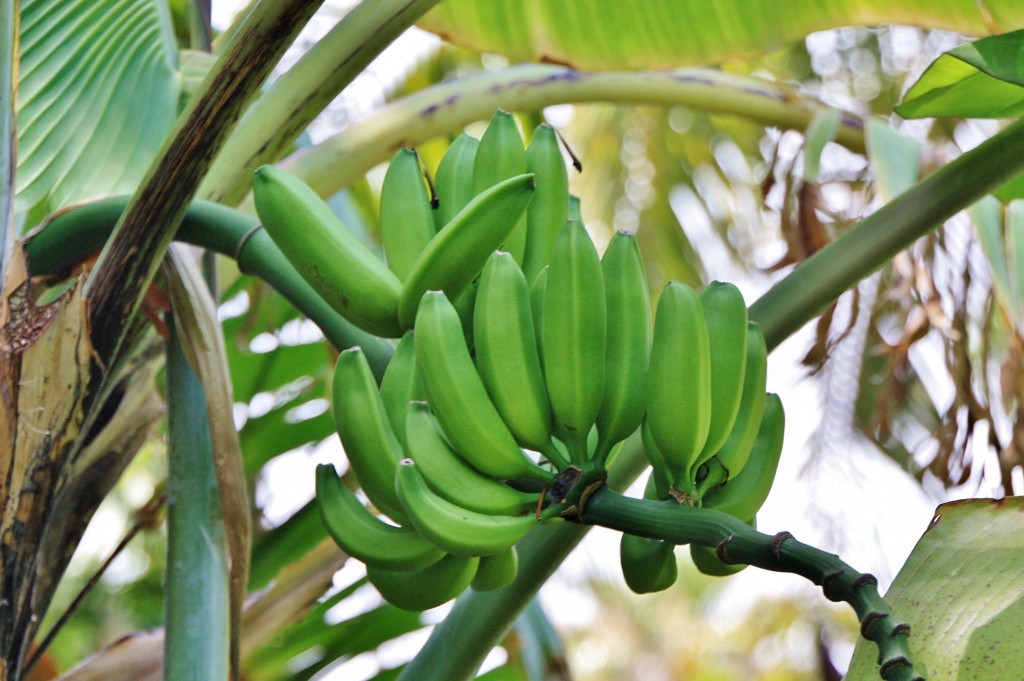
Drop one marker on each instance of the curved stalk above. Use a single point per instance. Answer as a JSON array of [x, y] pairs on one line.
[[819, 281], [71, 235], [736, 542], [440, 109]]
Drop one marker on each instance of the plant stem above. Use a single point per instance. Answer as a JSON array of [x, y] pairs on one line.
[[737, 543], [197, 643], [68, 237], [819, 281], [450, 106], [288, 106]]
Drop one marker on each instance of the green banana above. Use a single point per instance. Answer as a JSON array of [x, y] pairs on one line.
[[401, 385], [743, 495], [350, 278], [426, 587], [507, 356], [455, 256], [496, 571], [549, 208], [574, 337], [370, 444], [451, 527], [628, 342], [679, 381], [734, 453], [406, 216], [726, 317], [538, 290], [453, 180], [459, 399], [660, 473], [648, 565], [451, 477], [499, 156], [575, 213], [363, 535], [706, 559]]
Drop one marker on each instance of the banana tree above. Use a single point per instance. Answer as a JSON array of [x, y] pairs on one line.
[[96, 103]]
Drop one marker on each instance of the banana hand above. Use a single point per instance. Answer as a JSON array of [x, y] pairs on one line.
[[458, 398]]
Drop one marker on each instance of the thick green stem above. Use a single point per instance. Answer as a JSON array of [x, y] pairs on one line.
[[287, 108], [821, 279], [737, 543], [340, 160], [67, 238], [197, 604]]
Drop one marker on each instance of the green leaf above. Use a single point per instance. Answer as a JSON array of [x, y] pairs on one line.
[[982, 79], [602, 34], [97, 96], [962, 591]]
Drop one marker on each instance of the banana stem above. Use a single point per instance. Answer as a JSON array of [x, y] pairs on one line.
[[736, 543], [67, 238], [821, 279]]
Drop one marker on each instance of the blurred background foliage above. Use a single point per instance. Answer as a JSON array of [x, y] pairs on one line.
[[922, 360]]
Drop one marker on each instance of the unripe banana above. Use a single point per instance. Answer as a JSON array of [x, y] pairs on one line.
[[370, 444], [574, 336], [538, 290], [401, 385], [427, 587], [549, 208], [406, 216], [628, 342], [363, 535], [452, 528], [453, 181], [451, 477], [660, 474], [499, 156], [459, 399], [726, 317], [679, 381], [455, 256], [496, 571], [329, 257], [706, 559], [574, 208], [734, 453], [648, 565], [507, 357], [743, 495]]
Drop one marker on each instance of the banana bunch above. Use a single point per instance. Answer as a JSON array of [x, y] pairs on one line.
[[523, 359]]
